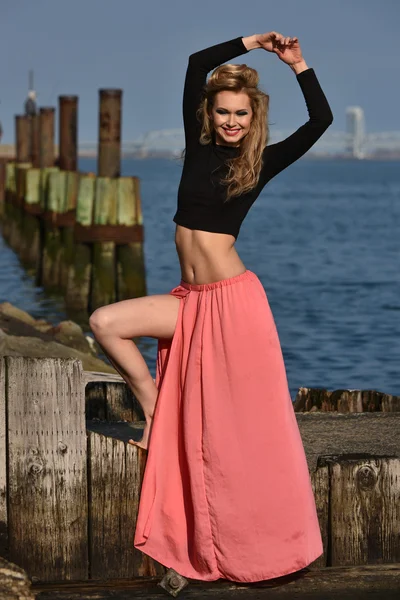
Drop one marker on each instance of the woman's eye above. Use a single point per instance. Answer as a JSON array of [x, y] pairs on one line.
[[223, 112]]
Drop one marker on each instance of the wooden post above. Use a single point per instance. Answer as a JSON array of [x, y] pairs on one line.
[[52, 244], [16, 214], [320, 487], [112, 401], [109, 151], [79, 273], [10, 193], [46, 134], [22, 139], [103, 288], [30, 244], [45, 173], [116, 471], [68, 119], [4, 542], [47, 467], [131, 277], [35, 140], [364, 509], [67, 232], [23, 154], [2, 186]]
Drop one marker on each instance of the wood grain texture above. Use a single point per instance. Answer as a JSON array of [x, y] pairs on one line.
[[365, 511], [116, 471], [3, 464], [47, 467], [112, 401], [320, 487], [340, 583]]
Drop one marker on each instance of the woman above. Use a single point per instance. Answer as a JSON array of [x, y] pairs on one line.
[[226, 490]]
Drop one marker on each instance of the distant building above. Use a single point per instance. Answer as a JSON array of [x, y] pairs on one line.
[[30, 105], [355, 129]]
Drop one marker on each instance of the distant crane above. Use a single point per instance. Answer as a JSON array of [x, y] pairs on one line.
[[30, 105]]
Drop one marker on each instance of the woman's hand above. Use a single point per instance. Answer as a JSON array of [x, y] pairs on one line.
[[287, 48]]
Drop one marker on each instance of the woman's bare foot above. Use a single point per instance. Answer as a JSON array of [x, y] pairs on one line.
[[143, 443]]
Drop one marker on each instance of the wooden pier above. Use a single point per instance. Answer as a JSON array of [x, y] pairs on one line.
[[70, 485], [80, 234]]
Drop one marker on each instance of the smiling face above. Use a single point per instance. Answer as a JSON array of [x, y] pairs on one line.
[[231, 115]]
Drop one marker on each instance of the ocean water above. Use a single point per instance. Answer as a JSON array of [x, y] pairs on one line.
[[323, 237]]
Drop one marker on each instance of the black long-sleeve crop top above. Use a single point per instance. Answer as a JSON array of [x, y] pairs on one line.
[[200, 195]]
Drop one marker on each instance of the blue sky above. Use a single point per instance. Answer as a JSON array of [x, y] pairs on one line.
[[79, 46]]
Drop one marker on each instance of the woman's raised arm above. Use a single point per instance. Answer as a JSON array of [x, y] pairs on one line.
[[200, 63], [277, 157]]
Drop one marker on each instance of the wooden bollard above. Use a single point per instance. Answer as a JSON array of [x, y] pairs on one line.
[[30, 244], [67, 231], [22, 139], [131, 279], [79, 272], [16, 213], [46, 136], [35, 140], [109, 150], [105, 200], [52, 243], [68, 123], [2, 186], [43, 194], [103, 289], [47, 488], [10, 191], [23, 154]]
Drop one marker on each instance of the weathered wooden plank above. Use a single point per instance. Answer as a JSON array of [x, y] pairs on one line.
[[328, 434], [116, 471], [98, 376], [341, 583], [47, 467], [365, 511], [112, 401], [345, 401], [3, 464], [320, 487]]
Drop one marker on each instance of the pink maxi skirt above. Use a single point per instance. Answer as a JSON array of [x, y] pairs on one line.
[[226, 491]]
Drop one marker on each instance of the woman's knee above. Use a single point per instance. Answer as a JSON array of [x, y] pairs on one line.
[[100, 322]]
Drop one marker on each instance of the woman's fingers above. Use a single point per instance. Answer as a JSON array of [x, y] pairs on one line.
[[284, 41]]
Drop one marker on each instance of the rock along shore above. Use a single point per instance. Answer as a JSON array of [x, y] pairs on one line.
[[22, 335]]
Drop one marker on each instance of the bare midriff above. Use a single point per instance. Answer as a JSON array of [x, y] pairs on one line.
[[206, 257]]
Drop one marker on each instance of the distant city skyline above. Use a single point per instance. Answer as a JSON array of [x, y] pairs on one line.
[[143, 48]]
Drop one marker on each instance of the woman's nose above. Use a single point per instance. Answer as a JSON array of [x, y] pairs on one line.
[[231, 120]]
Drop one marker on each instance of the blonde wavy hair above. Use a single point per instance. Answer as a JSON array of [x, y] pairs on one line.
[[244, 170]]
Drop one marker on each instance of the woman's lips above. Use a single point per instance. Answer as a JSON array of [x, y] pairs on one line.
[[231, 132]]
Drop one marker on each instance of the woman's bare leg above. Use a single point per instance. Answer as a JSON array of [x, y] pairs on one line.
[[115, 325]]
